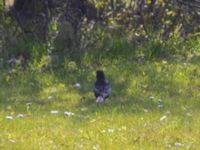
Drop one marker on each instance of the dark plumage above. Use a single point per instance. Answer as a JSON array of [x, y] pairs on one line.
[[101, 87]]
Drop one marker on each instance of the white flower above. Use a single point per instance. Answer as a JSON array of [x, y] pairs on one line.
[[67, 113], [188, 114], [20, 116], [28, 104], [151, 97], [169, 145], [137, 34], [50, 97], [81, 146], [168, 112], [77, 85], [110, 130], [145, 110], [54, 112], [9, 117], [13, 141], [84, 109], [173, 122], [96, 147], [177, 144], [160, 105], [163, 118]]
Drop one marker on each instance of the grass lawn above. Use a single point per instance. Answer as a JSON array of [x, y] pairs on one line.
[[154, 105]]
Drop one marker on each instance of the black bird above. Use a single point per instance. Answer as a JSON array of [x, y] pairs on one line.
[[101, 87]]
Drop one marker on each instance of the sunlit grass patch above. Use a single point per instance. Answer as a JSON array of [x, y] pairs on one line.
[[153, 105]]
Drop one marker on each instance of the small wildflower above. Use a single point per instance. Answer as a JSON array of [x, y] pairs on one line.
[[93, 120], [164, 62], [81, 130], [177, 144], [151, 98], [160, 105], [173, 121], [9, 117], [67, 113], [169, 145], [96, 147], [84, 109], [20, 116], [77, 85], [50, 97], [188, 114], [124, 128], [110, 130], [168, 112], [103, 131], [54, 112], [81, 146], [12, 141], [163, 118], [28, 104]]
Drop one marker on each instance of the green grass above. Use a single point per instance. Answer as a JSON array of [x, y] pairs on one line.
[[127, 120]]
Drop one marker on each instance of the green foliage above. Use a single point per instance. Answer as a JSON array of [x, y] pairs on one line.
[[112, 26], [1, 5]]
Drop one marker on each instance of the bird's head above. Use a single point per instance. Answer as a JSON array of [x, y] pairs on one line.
[[100, 75]]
